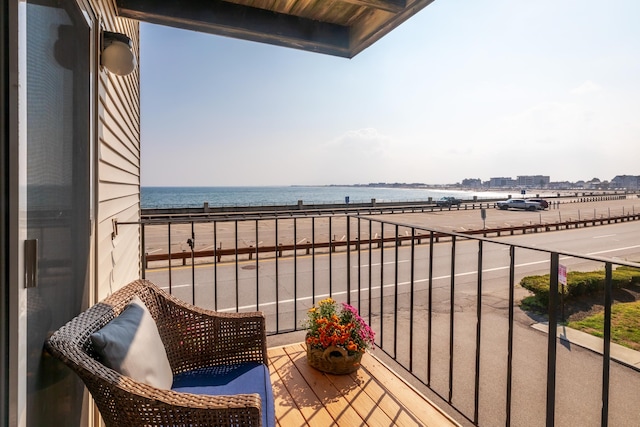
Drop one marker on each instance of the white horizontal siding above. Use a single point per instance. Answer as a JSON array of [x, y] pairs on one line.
[[117, 160], [122, 259], [118, 166]]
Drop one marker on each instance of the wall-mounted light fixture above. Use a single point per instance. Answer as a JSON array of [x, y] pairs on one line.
[[117, 53]]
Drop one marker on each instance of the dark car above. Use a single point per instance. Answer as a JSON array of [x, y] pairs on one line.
[[448, 201], [542, 202]]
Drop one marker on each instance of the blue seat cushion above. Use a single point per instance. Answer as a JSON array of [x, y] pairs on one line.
[[245, 378]]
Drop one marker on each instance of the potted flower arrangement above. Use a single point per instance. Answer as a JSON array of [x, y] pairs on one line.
[[337, 337]]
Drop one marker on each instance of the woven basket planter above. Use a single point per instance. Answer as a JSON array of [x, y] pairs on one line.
[[333, 360]]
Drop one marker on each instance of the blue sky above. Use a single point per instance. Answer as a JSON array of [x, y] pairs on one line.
[[463, 89]]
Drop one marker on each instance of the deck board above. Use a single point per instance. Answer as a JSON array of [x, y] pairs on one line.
[[372, 396]]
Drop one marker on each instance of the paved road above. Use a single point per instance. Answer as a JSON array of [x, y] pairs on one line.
[[579, 370]]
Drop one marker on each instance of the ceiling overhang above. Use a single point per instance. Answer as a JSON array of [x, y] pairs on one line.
[[335, 27]]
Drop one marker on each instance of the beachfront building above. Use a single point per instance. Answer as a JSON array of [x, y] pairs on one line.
[[533, 181], [472, 183], [629, 182], [70, 150], [501, 182]]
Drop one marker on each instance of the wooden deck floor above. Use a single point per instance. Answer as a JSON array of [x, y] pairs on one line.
[[372, 396]]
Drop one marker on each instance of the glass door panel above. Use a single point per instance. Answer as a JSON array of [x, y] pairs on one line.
[[58, 197]]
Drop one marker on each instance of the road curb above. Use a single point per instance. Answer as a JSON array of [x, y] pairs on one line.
[[620, 354]]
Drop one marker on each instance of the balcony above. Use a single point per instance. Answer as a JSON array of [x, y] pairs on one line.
[[444, 307], [373, 396]]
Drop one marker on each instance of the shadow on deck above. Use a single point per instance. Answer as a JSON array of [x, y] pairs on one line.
[[372, 396]]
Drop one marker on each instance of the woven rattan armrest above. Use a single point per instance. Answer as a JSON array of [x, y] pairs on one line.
[[192, 337], [139, 404], [123, 401]]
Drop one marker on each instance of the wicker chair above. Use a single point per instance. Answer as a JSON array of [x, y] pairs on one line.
[[194, 338]]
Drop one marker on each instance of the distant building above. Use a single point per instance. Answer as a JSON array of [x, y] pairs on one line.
[[630, 182], [537, 181], [593, 184], [472, 182], [560, 185], [501, 182]]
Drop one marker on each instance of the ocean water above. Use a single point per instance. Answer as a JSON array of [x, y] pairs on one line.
[[177, 197]]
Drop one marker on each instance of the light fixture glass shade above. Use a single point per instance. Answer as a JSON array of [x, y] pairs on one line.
[[117, 56]]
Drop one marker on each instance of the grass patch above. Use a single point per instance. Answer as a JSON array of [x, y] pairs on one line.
[[625, 324], [579, 283]]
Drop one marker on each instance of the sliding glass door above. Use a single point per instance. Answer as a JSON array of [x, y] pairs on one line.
[[58, 203]]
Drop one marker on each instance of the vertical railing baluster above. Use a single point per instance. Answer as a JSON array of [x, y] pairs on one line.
[[395, 293], [512, 285], [257, 268], [193, 264], [295, 273], [330, 259], [430, 309], [144, 253], [169, 251], [411, 295], [476, 398], [452, 309], [313, 259], [359, 265], [237, 267], [348, 259], [382, 284], [370, 278], [606, 357], [277, 280], [215, 265], [551, 339]]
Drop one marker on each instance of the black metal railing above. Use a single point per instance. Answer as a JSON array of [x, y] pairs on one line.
[[445, 310]]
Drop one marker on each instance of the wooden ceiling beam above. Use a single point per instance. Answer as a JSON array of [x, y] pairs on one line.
[[233, 20], [393, 6]]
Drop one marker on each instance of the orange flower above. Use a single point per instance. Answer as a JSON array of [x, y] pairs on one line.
[[332, 324]]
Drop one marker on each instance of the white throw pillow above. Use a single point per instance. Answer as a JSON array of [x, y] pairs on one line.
[[131, 345]]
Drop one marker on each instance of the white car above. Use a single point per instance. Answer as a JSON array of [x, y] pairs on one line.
[[519, 204]]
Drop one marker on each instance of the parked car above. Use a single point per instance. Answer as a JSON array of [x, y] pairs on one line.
[[519, 204], [448, 201], [542, 202]]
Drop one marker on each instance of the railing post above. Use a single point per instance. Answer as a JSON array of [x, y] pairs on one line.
[[348, 260], [476, 406], [169, 252], [395, 291], [551, 339], [257, 227], [411, 295], [236, 265], [452, 307], [277, 278], [192, 244], [144, 253], [331, 249], [512, 285], [215, 265], [382, 284], [430, 309], [606, 357], [295, 273]]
